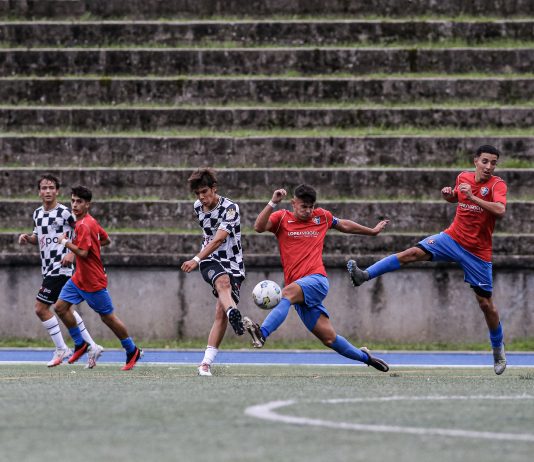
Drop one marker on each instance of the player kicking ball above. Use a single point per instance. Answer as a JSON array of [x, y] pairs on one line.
[[90, 281], [481, 199], [301, 235]]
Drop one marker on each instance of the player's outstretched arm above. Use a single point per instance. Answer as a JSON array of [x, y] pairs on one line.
[[262, 223], [351, 227]]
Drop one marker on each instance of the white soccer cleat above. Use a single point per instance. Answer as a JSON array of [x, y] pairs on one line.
[[59, 355], [93, 355], [205, 370]]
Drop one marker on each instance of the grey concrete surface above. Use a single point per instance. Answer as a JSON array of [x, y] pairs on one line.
[[410, 305]]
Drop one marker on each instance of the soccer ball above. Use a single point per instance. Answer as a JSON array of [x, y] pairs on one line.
[[267, 294]]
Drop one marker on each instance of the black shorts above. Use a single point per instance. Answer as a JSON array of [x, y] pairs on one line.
[[212, 269], [50, 289]]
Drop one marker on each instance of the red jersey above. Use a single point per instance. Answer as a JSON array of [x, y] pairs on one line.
[[90, 274], [301, 242], [473, 226]]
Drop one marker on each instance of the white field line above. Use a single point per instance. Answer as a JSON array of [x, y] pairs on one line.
[[266, 411]]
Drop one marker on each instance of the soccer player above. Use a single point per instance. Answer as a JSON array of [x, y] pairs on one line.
[[301, 235], [220, 258], [481, 199], [50, 221], [90, 280]]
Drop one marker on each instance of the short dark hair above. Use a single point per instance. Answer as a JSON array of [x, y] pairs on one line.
[[487, 149], [82, 192], [305, 193], [202, 177], [49, 177]]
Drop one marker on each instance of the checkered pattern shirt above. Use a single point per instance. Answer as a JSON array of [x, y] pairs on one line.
[[49, 225], [225, 216]]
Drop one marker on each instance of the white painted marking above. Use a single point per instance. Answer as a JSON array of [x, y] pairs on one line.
[[266, 412]]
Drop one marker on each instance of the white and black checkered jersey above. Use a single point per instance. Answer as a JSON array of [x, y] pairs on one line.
[[49, 225], [225, 216]]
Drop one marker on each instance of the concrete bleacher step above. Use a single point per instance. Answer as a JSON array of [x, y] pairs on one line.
[[276, 60], [144, 249], [272, 32], [102, 150], [213, 90], [145, 215], [260, 8], [331, 183], [222, 118]]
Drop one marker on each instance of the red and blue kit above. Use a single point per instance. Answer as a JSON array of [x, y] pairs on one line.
[[90, 275], [301, 242], [473, 226]]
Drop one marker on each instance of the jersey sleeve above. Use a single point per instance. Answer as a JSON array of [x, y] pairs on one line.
[[331, 220], [230, 218], [499, 192], [83, 237], [276, 219], [455, 190], [102, 234]]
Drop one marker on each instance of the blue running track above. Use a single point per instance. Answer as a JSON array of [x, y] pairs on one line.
[[266, 357]]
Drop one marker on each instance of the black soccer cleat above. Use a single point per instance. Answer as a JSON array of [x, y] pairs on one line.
[[357, 275], [79, 351], [377, 363], [132, 358], [234, 316]]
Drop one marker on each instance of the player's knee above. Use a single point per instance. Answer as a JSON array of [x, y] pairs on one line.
[[41, 309], [291, 292], [410, 255], [223, 283], [328, 340], [61, 307]]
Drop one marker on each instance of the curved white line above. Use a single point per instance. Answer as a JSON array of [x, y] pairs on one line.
[[266, 412]]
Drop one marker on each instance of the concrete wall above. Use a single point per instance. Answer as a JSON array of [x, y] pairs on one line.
[[421, 304]]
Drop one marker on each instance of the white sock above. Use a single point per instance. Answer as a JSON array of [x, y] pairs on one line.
[[85, 333], [209, 355], [52, 326]]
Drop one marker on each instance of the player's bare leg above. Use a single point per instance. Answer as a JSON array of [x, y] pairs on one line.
[[224, 290], [215, 338]]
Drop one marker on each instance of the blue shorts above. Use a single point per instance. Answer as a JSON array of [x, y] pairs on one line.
[[477, 272], [315, 289], [99, 301]]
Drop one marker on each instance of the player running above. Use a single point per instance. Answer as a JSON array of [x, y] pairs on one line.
[[90, 280], [481, 199], [50, 221], [301, 235], [220, 259]]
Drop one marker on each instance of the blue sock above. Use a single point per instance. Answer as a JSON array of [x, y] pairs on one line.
[[76, 335], [128, 344], [385, 265], [276, 317], [344, 348], [496, 337]]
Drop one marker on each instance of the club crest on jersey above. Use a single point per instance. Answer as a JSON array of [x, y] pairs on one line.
[[317, 220], [484, 190], [230, 213], [54, 225]]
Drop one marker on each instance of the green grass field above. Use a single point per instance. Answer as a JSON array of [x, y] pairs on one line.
[[167, 413]]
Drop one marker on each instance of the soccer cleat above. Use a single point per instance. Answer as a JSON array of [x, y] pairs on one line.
[[377, 363], [234, 316], [258, 340], [79, 351], [59, 355], [132, 358], [205, 370], [357, 275], [93, 355], [499, 360]]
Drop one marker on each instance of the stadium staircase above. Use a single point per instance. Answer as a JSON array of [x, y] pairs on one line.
[[377, 104]]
